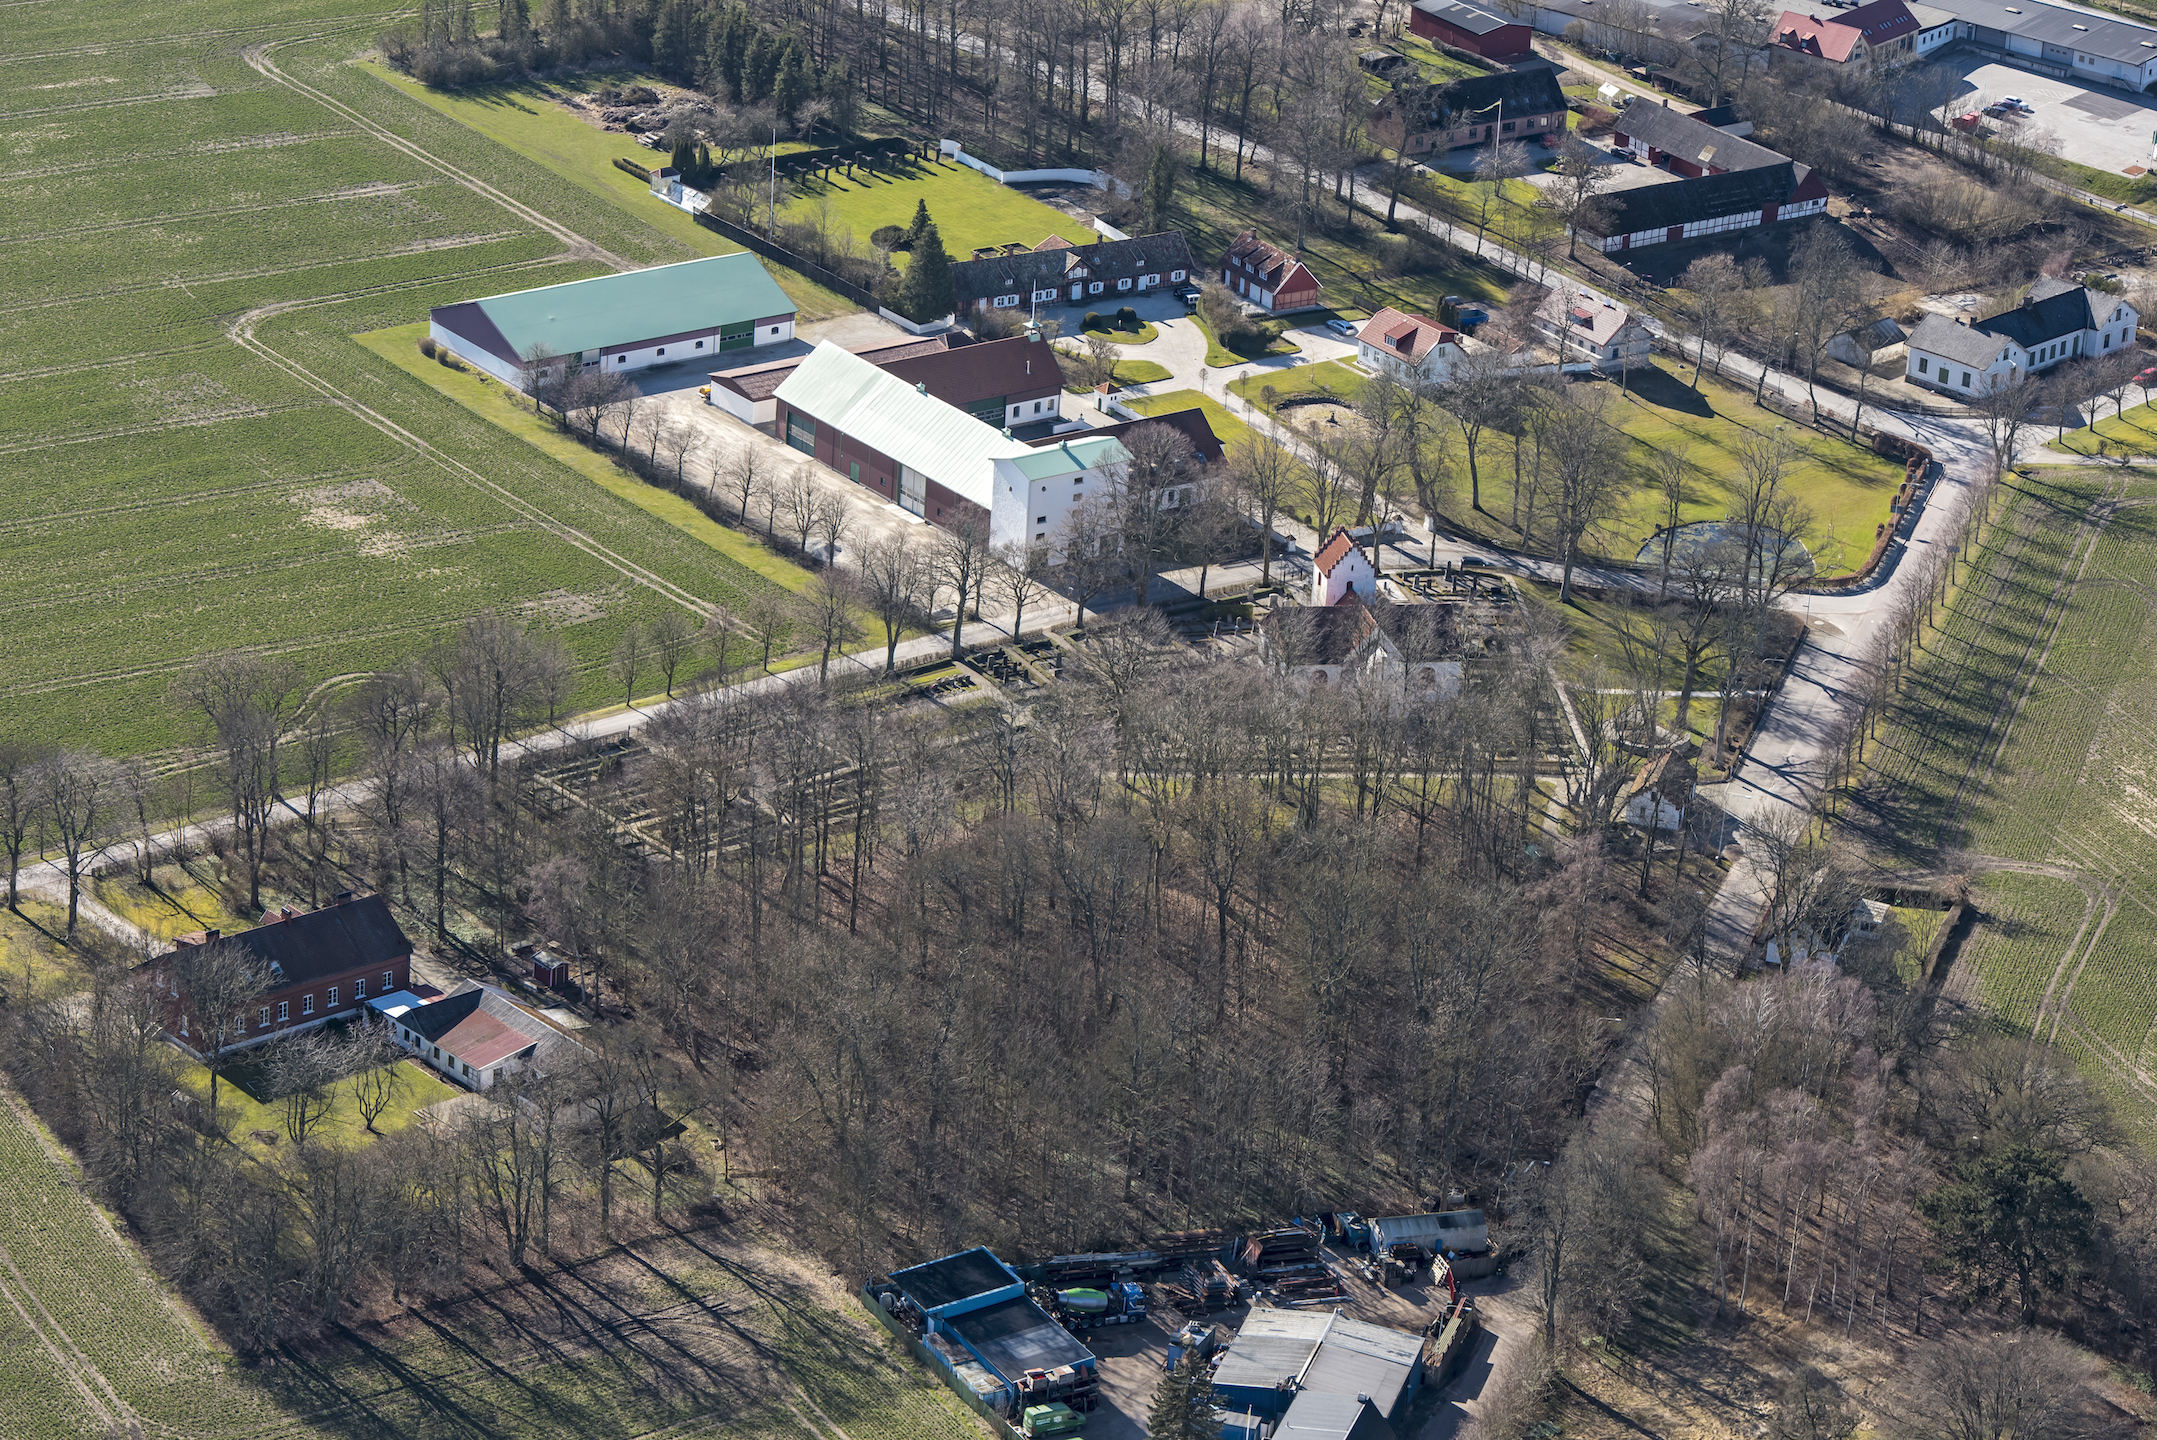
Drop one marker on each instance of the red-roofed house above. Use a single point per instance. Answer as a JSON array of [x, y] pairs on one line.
[[477, 1033], [1268, 276], [1865, 36], [1413, 349], [1341, 570]]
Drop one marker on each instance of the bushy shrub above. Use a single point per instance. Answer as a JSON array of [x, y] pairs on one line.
[[426, 346], [1092, 321], [888, 237], [1127, 318]]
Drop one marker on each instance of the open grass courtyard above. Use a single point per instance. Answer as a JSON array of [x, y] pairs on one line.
[[968, 207]]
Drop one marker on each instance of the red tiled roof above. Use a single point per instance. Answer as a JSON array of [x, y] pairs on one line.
[[1272, 264], [1834, 39], [1054, 242], [1412, 337], [1339, 548], [480, 1040]]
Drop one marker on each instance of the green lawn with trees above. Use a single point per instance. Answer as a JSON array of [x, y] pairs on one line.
[[968, 207]]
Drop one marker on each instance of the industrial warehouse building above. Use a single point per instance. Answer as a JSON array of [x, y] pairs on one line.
[[1471, 28], [933, 459], [2067, 44], [976, 1321], [1282, 1355], [661, 316], [1730, 183]]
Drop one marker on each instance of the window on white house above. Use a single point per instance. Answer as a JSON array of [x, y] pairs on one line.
[[1923, 365], [700, 344], [775, 329], [284, 1011], [1175, 274], [662, 349], [1965, 379]]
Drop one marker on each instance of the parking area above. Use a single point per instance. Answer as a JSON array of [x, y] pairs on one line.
[[2102, 128]]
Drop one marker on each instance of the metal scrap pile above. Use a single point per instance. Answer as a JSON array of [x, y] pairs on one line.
[[1290, 1263]]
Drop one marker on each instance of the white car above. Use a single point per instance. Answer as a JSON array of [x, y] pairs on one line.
[[2016, 102]]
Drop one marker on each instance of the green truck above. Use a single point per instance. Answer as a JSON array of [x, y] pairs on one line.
[[1056, 1419]]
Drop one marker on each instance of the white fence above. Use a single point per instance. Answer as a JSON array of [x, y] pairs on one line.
[[1098, 179], [913, 327]]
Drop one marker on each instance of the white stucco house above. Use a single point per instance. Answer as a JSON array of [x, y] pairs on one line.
[[1589, 329], [1413, 349], [1341, 569], [2058, 321]]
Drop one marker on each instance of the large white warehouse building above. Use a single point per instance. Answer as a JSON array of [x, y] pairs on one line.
[[661, 316]]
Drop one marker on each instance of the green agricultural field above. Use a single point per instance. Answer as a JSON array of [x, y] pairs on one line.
[[968, 207], [196, 454], [697, 1329], [2026, 740]]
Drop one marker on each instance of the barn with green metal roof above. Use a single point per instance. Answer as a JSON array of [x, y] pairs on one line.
[[664, 315]]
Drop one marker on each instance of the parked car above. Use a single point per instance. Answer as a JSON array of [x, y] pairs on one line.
[[1996, 111], [2016, 102], [1343, 328], [2147, 378]]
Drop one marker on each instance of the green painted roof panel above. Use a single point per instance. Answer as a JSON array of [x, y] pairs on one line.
[[610, 310], [1061, 459]]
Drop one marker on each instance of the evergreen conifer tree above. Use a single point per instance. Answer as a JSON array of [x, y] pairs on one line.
[[793, 88], [1183, 1406], [926, 293], [921, 224]]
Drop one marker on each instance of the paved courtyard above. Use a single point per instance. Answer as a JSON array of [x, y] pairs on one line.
[[2101, 128]]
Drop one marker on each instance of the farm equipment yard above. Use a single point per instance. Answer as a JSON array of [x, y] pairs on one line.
[[1294, 1321]]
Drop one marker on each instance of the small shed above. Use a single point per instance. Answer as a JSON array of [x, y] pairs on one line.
[[667, 184], [1660, 792], [1868, 343]]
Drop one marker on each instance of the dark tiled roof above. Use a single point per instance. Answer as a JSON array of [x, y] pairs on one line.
[[2054, 310], [357, 934], [1525, 92], [761, 382], [1192, 422], [1686, 137], [1710, 197], [983, 370], [1045, 269]]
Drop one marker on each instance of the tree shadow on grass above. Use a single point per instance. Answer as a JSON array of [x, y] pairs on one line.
[[1654, 386]]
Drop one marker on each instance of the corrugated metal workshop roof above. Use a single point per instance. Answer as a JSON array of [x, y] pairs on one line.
[[607, 310], [1332, 1417], [2071, 29], [953, 1278], [910, 425], [1015, 1336], [1358, 1358], [1272, 1346]]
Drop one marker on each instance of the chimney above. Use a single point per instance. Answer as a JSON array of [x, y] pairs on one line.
[[209, 935], [340, 897]]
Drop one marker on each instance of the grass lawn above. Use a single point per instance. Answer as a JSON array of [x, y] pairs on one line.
[[1336, 377], [184, 899], [1436, 64], [1221, 357], [968, 207], [1145, 334], [1131, 372], [34, 962], [2133, 432], [500, 405], [1227, 427], [526, 118], [1597, 627], [1362, 272], [240, 1112], [1846, 486]]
